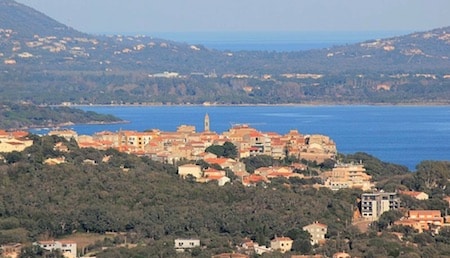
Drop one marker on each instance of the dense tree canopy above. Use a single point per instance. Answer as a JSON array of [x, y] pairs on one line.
[[154, 206]]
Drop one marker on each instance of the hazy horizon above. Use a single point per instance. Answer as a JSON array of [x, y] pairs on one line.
[[257, 16]]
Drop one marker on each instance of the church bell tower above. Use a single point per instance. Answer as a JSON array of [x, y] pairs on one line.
[[206, 122]]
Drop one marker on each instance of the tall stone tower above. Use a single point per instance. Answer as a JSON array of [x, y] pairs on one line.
[[206, 122]]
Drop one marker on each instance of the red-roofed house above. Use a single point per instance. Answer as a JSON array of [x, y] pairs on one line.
[[222, 162], [415, 194], [253, 179], [422, 219]]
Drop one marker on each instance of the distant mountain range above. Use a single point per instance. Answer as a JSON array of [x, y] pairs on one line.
[[46, 62]]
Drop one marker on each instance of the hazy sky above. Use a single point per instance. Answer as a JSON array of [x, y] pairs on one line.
[[144, 16]]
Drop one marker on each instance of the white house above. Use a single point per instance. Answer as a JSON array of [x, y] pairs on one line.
[[182, 244], [67, 248]]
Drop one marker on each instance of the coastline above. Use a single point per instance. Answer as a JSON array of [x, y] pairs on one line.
[[320, 104]]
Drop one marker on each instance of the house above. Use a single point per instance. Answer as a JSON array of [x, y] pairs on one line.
[[282, 244], [254, 179], [250, 247], [67, 248], [55, 161], [59, 146], [182, 244], [317, 232], [422, 219], [190, 169], [308, 256], [415, 194], [222, 162], [11, 250], [375, 204], [14, 141]]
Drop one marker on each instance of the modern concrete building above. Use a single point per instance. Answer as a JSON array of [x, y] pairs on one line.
[[375, 204]]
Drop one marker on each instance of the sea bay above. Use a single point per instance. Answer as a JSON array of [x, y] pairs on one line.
[[403, 135]]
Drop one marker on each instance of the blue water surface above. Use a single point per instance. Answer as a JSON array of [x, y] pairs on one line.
[[403, 135]]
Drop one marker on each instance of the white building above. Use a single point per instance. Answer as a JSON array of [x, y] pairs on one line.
[[182, 244], [67, 248]]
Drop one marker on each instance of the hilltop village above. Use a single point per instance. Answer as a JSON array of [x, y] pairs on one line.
[[206, 156], [186, 146]]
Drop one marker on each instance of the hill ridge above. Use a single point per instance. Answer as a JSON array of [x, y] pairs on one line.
[[85, 69]]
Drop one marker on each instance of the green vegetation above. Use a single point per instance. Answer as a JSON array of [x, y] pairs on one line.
[[64, 65], [153, 206], [227, 150], [28, 115]]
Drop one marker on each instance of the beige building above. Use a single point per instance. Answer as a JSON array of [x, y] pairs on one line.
[[11, 250], [190, 169], [317, 231], [14, 141], [422, 219], [282, 244], [348, 176]]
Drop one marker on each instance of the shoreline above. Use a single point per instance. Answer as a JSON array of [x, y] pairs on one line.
[[319, 104]]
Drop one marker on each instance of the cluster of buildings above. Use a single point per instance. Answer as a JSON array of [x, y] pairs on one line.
[[188, 144], [14, 141], [249, 247], [67, 248], [373, 205]]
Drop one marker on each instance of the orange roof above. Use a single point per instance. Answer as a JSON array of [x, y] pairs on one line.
[[255, 134], [411, 193], [19, 134], [15, 143], [211, 170], [253, 178], [425, 212], [217, 161], [214, 177]]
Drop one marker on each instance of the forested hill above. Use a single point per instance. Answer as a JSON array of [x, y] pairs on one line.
[[13, 116], [26, 22], [44, 61]]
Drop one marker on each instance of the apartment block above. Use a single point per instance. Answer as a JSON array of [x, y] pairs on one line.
[[375, 204]]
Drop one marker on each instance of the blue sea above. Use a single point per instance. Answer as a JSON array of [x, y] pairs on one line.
[[404, 135]]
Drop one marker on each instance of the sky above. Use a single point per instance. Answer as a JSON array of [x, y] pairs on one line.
[[146, 16]]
